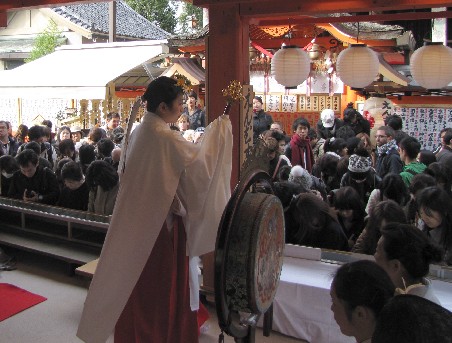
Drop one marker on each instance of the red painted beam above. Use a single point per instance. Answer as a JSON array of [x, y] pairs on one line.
[[3, 19], [355, 18], [293, 8]]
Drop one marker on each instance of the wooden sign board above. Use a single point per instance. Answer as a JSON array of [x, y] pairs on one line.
[[246, 122]]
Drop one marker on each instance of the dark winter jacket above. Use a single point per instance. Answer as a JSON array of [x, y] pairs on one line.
[[44, 182]]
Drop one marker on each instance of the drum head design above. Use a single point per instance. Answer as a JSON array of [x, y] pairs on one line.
[[249, 254]]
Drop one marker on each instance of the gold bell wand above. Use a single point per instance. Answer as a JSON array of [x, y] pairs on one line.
[[232, 93]]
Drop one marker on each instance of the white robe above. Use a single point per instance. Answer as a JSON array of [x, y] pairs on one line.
[[159, 163]]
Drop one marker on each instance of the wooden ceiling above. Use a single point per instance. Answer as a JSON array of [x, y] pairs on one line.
[[275, 8]]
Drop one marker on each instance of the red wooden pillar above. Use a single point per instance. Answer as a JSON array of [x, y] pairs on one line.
[[3, 19], [227, 48]]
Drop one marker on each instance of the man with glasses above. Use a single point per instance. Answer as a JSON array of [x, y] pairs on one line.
[[9, 146], [388, 158]]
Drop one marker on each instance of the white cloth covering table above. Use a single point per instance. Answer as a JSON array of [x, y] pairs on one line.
[[301, 307]]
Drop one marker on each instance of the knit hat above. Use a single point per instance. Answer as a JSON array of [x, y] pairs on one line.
[[359, 164], [301, 176], [327, 117]]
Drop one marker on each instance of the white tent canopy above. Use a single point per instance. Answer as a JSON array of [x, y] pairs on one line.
[[78, 72]]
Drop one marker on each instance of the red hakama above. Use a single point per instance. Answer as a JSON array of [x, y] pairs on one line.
[[158, 310]]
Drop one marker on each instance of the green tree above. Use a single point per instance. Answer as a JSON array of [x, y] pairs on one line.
[[46, 42], [188, 12], [161, 11]]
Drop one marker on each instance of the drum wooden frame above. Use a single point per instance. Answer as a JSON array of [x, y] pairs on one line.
[[249, 255]]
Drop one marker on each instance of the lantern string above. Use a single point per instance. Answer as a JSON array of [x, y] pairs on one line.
[[357, 35], [289, 33]]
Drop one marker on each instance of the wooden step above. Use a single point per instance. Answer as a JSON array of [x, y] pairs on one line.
[[66, 251], [87, 269]]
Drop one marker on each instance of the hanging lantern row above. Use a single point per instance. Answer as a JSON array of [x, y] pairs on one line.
[[431, 66], [290, 66], [358, 66]]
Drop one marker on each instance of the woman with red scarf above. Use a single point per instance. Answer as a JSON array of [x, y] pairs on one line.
[[299, 150]]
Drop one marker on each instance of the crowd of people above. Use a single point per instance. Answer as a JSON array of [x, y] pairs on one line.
[[70, 170], [64, 169], [339, 191], [392, 201], [90, 182]]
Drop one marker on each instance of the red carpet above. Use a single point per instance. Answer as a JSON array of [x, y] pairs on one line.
[[14, 300]]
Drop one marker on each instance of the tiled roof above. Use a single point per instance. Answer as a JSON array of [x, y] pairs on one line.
[[94, 17], [20, 45], [16, 45], [202, 33]]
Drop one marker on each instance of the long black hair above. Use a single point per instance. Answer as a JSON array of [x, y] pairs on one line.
[[394, 188], [437, 199], [411, 247], [162, 89], [390, 212], [101, 173]]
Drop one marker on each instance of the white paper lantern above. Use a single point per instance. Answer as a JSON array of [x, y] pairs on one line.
[[431, 66], [290, 66], [378, 107], [357, 66]]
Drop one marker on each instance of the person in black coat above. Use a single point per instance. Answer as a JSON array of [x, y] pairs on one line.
[[33, 183], [360, 175], [261, 120], [328, 125], [311, 222], [75, 193], [8, 166], [388, 158], [356, 121]]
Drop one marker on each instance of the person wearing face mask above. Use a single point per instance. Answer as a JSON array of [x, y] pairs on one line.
[[261, 120], [8, 166]]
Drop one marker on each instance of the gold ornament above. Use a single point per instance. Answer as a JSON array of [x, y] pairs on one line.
[[233, 92], [183, 82]]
